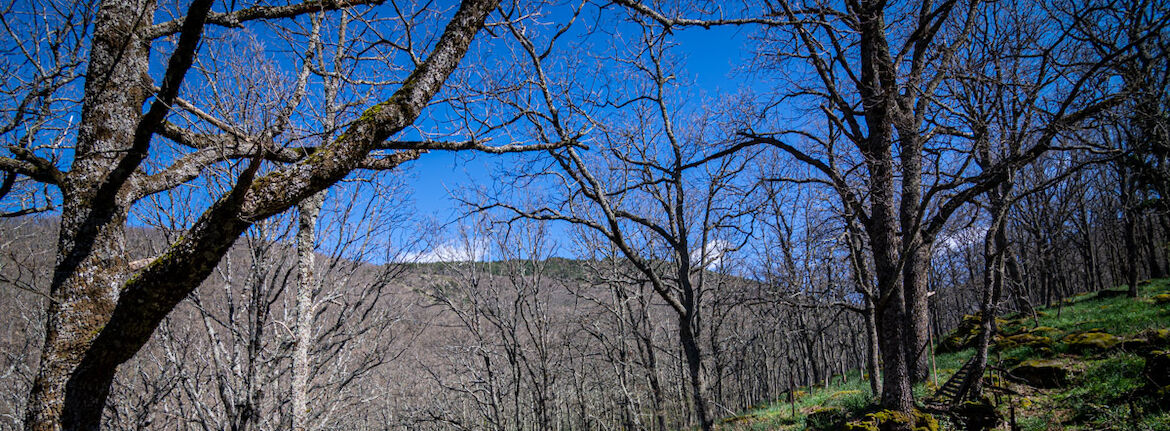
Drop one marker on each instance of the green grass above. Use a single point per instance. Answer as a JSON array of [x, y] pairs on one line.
[[853, 397], [1104, 394], [1104, 391], [1119, 316]]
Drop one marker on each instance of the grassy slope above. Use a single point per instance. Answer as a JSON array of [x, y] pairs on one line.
[[1099, 397]]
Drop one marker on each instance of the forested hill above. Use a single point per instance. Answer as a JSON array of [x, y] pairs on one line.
[[528, 329], [563, 332], [559, 268]]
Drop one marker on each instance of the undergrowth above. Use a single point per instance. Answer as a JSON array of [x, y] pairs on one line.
[[1105, 392]]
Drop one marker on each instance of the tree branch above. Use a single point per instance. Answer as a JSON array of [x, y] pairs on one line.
[[31, 166], [236, 18]]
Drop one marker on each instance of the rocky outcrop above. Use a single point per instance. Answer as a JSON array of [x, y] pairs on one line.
[[1091, 342], [1042, 373], [888, 420]]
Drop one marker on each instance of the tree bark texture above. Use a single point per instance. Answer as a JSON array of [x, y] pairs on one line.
[[307, 214]]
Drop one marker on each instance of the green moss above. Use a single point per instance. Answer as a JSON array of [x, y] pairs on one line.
[[1162, 299], [1044, 330], [826, 418], [373, 111], [1091, 341], [1024, 339], [887, 419]]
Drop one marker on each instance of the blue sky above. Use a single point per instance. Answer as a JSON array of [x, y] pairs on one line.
[[712, 58]]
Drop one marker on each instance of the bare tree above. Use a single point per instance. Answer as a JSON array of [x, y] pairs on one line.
[[877, 81], [657, 198], [103, 310]]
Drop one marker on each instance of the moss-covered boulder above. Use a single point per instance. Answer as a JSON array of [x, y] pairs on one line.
[[1091, 342], [1023, 339], [1040, 330], [1147, 341], [1042, 373], [1156, 374], [738, 420], [978, 415], [1162, 299], [1013, 326], [1158, 337], [963, 336], [826, 418], [886, 420], [1157, 369]]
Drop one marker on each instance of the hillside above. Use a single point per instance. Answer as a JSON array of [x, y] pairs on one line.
[[1096, 362]]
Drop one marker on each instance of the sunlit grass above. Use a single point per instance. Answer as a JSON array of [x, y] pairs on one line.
[[1101, 396]]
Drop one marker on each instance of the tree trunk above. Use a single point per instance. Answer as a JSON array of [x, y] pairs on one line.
[[877, 89], [1129, 220], [1153, 250], [99, 316], [916, 271], [307, 215], [994, 252], [893, 324], [695, 371], [1131, 253], [872, 354], [91, 261], [655, 385]]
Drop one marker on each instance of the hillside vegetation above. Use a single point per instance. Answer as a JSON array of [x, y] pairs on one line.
[[1097, 361]]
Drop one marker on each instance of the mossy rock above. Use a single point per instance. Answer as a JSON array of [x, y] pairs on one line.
[[1086, 342], [1162, 397], [978, 415], [1157, 369], [965, 335], [885, 420], [1044, 330], [1159, 337], [1010, 327], [954, 342], [1024, 339], [1162, 299], [826, 418], [1041, 373], [736, 420], [962, 337], [1147, 341]]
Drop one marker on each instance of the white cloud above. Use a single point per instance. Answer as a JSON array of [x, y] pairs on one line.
[[715, 249], [453, 251], [963, 238]]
